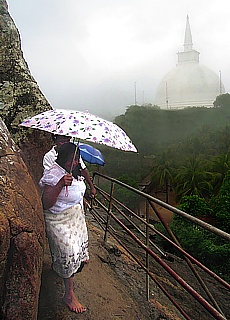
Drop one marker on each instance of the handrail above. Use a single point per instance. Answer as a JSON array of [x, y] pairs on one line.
[[201, 223], [175, 245], [105, 223]]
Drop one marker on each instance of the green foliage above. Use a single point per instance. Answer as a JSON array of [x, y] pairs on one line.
[[222, 101], [188, 150], [221, 205], [223, 213], [195, 206], [193, 179], [181, 133], [149, 128], [225, 187], [162, 170], [162, 173], [153, 130], [207, 248], [120, 162], [124, 195], [125, 178], [219, 166], [211, 250]]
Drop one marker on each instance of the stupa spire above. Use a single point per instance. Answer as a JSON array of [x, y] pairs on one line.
[[188, 37], [189, 54]]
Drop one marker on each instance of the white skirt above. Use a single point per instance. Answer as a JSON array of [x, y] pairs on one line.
[[68, 240]]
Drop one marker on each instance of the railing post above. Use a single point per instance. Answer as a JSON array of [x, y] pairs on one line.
[[196, 273], [109, 211], [147, 244]]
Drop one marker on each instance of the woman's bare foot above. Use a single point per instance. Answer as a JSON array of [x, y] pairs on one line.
[[73, 304]]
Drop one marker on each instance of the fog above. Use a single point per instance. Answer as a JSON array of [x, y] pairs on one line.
[[103, 55]]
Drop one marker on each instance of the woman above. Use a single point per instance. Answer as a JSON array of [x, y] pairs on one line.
[[50, 157], [65, 220]]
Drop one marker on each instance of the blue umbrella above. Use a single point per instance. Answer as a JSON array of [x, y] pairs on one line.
[[90, 154]]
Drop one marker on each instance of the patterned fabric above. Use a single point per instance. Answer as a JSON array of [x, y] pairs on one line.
[[81, 125], [68, 240]]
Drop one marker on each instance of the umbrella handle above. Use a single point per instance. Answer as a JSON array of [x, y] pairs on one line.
[[66, 191], [75, 152]]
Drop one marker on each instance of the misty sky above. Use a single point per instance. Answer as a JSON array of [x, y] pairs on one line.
[[88, 55]]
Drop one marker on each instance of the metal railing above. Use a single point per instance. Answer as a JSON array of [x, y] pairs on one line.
[[123, 223]]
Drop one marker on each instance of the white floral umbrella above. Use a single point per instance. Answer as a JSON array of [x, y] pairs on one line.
[[81, 125]]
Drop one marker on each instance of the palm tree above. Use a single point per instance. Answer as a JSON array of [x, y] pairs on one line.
[[223, 141], [193, 179], [162, 174], [219, 166]]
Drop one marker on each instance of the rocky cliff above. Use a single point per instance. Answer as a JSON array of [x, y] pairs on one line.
[[21, 234], [20, 96], [21, 151]]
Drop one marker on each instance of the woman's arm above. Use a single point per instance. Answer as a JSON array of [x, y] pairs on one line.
[[86, 175], [51, 193]]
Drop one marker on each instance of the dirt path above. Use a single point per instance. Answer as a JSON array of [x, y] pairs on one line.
[[98, 288], [112, 286]]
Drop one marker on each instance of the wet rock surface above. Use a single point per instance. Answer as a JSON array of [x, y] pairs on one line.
[[20, 95], [22, 234]]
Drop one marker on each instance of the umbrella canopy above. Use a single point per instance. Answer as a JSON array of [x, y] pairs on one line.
[[90, 154], [81, 125]]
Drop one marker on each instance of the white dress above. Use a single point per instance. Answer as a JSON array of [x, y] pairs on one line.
[[49, 159], [65, 226]]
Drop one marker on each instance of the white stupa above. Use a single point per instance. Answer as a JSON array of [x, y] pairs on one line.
[[189, 84]]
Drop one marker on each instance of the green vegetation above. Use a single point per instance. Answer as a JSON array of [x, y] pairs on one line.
[[182, 132], [124, 195], [205, 246], [186, 151], [149, 127]]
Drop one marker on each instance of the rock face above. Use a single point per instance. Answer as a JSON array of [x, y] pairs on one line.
[[20, 96], [21, 151], [21, 234]]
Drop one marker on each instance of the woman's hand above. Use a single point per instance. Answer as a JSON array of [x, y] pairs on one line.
[[51, 193], [93, 191], [86, 175], [66, 180]]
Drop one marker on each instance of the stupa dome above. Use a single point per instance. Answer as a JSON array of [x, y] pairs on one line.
[[189, 84]]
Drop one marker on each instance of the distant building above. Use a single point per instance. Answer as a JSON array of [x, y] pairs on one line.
[[189, 84]]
